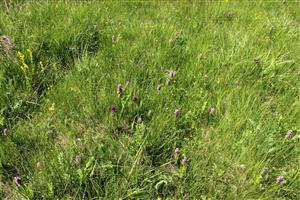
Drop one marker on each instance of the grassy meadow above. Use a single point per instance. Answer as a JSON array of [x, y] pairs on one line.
[[149, 99]]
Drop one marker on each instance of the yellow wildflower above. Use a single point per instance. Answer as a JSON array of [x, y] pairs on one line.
[[23, 68], [30, 54], [21, 56], [42, 67]]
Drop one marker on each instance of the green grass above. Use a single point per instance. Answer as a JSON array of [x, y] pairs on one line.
[[239, 57]]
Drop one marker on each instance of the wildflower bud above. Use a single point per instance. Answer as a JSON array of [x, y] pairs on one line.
[[280, 180], [185, 160], [211, 110], [119, 89], [177, 151], [18, 180], [289, 134], [172, 74], [158, 87], [5, 132], [113, 109], [177, 113]]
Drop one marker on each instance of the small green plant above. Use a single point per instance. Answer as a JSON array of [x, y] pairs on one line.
[[87, 171]]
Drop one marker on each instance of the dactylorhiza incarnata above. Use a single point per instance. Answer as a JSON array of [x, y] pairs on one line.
[[113, 109], [18, 180], [77, 159], [289, 134], [177, 113], [265, 171], [139, 120], [39, 165], [169, 82], [172, 73], [158, 87], [119, 89], [211, 110], [185, 160], [5, 132], [280, 180]]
